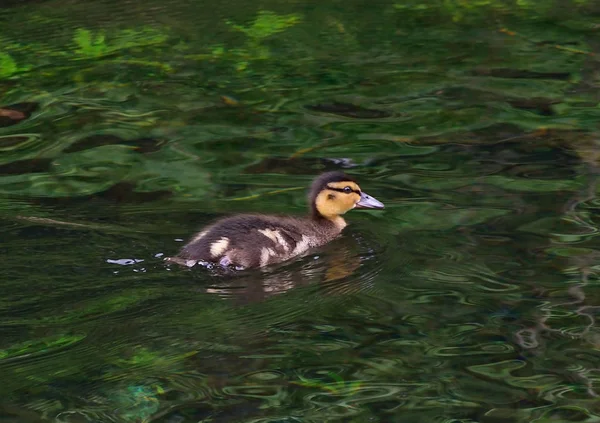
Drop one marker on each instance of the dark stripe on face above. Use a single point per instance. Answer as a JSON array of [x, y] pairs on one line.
[[342, 190]]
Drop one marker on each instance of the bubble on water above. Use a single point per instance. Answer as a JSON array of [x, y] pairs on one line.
[[124, 262]]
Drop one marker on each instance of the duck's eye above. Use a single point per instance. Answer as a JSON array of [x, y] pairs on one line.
[[347, 190]]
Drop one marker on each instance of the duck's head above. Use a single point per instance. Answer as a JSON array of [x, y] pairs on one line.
[[334, 193]]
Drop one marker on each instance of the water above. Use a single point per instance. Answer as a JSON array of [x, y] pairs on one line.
[[127, 126]]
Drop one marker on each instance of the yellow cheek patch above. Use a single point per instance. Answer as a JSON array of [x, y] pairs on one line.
[[326, 206], [345, 202], [332, 203]]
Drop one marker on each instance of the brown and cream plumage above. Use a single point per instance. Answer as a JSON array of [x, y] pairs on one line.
[[247, 241]]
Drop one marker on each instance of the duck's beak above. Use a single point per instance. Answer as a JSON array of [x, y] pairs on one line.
[[368, 202]]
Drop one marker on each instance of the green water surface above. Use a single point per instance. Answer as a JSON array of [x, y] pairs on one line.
[[125, 126]]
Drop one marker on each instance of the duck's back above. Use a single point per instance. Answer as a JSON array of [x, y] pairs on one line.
[[257, 240]]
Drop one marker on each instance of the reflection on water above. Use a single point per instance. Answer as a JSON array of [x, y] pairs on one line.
[[338, 269], [127, 126]]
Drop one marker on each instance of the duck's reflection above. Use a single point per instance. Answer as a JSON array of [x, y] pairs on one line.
[[334, 269]]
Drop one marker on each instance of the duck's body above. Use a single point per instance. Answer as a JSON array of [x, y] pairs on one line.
[[256, 240], [247, 241]]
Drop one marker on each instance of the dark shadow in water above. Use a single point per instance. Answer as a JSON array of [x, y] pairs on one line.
[[12, 3], [290, 166], [520, 73], [15, 113], [26, 166], [141, 145], [349, 110], [120, 193], [540, 106]]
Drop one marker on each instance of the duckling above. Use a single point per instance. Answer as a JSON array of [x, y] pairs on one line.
[[250, 240]]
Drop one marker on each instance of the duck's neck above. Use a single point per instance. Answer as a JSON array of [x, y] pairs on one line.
[[337, 221]]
